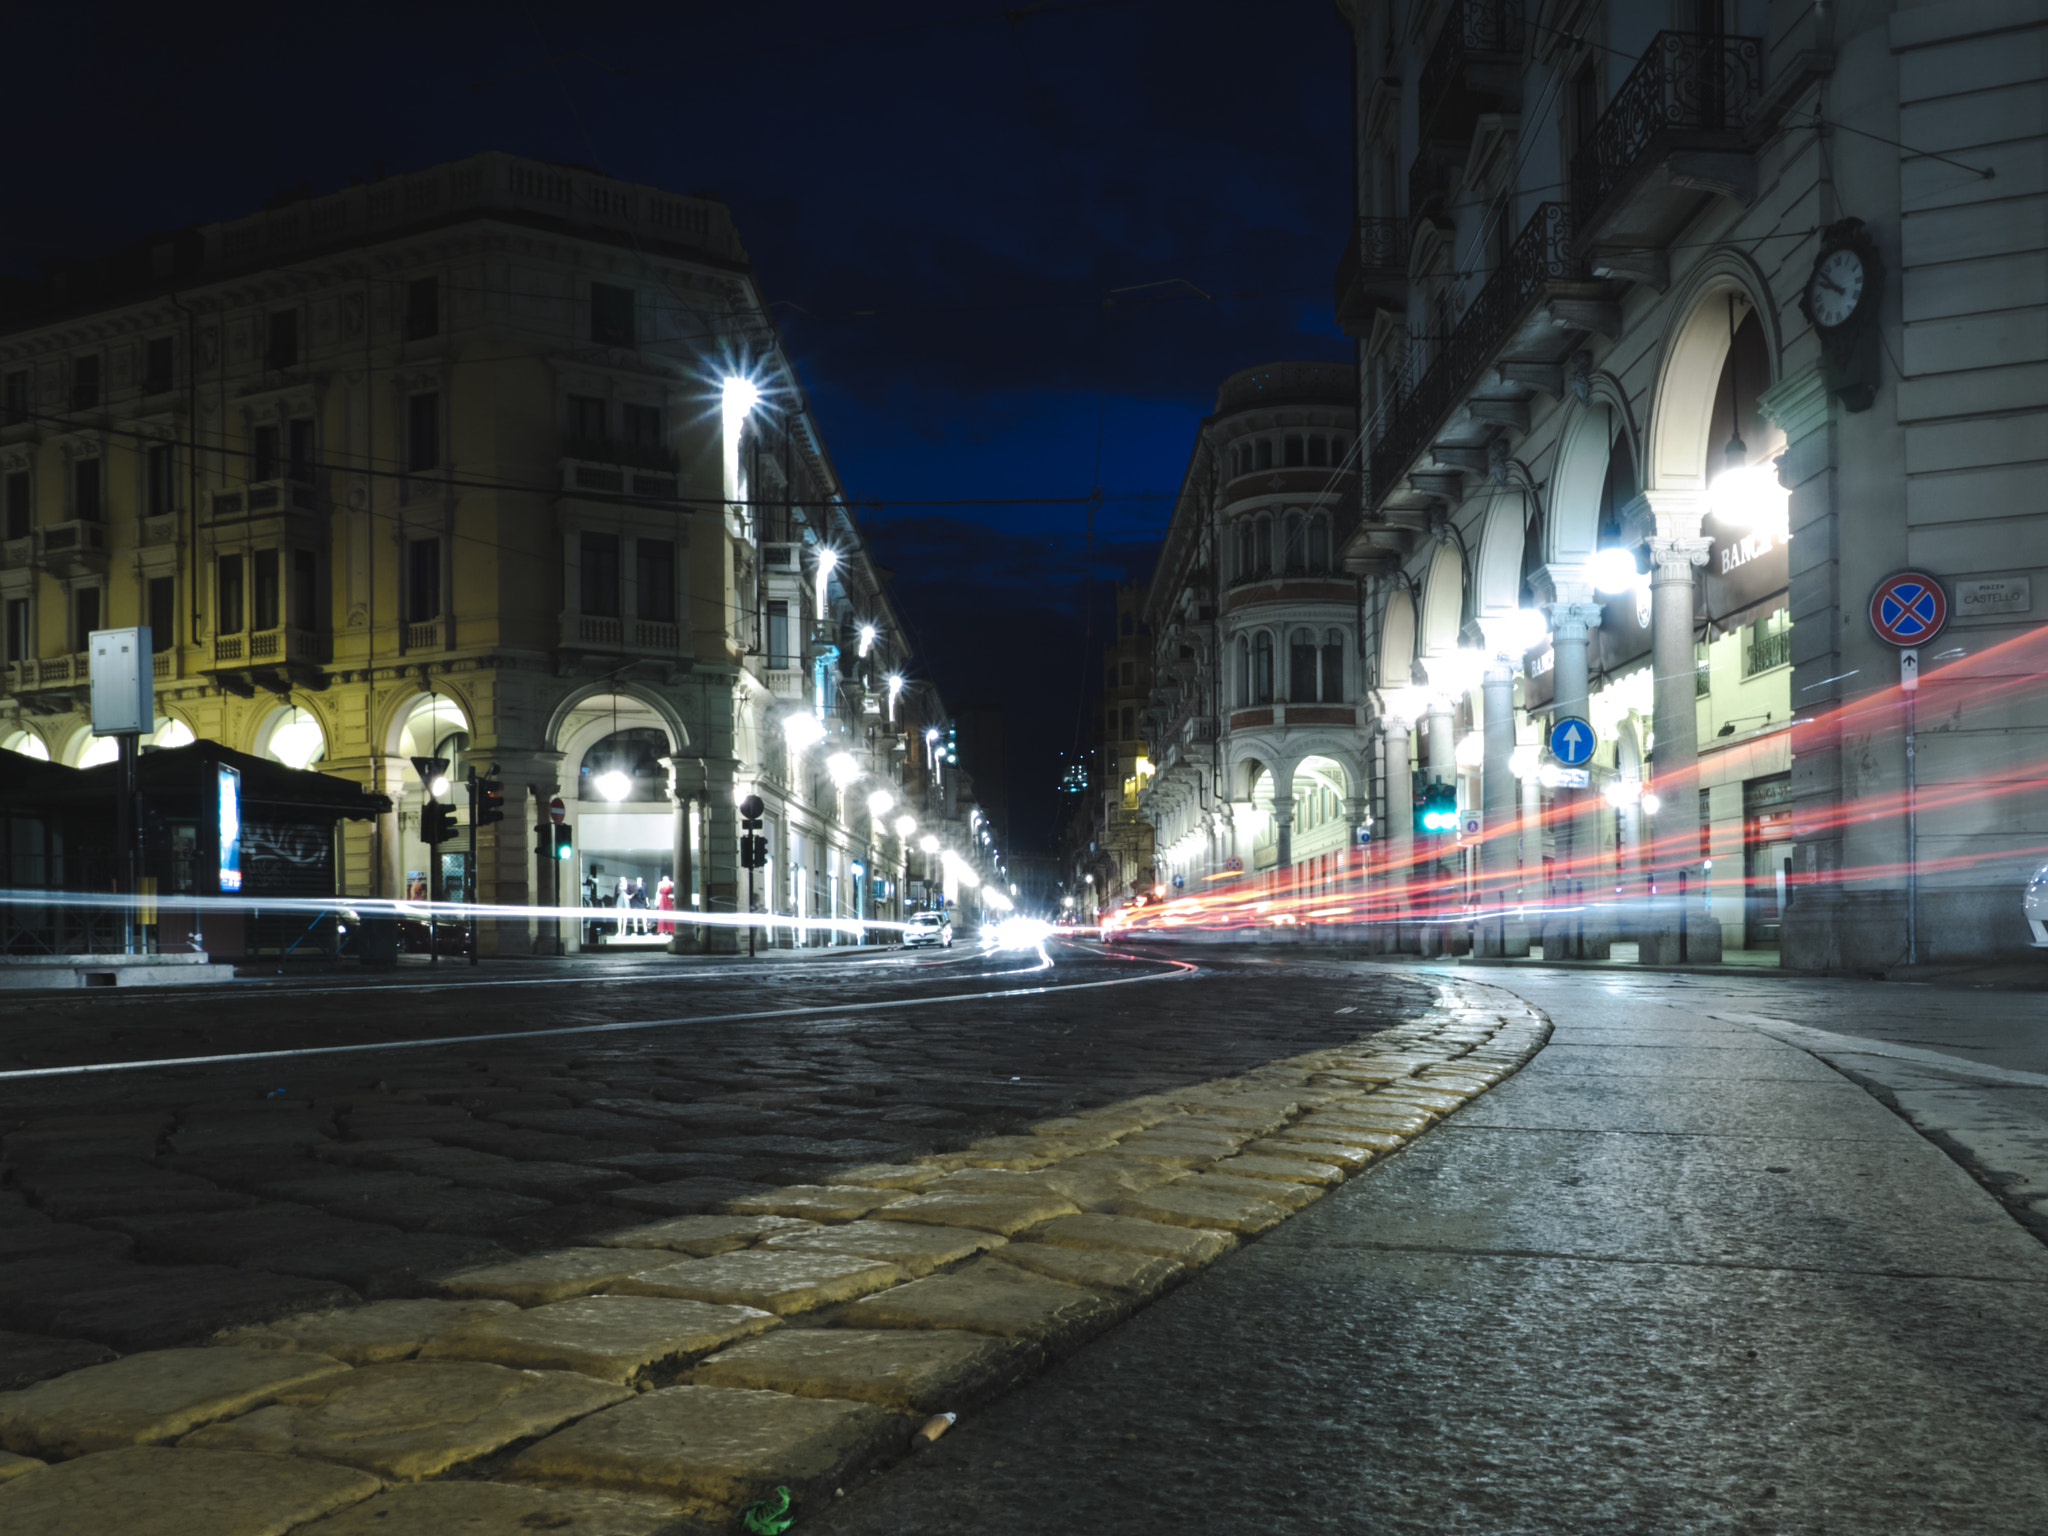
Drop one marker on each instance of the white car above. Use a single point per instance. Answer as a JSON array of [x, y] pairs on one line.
[[2036, 907], [928, 928]]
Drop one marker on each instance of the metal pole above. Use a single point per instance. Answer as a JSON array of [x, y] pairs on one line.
[[472, 882], [433, 891], [751, 925], [1912, 841], [124, 830]]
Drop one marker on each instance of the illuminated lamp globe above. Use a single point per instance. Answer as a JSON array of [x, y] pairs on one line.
[[928, 843], [739, 396], [614, 785], [1750, 498], [905, 825], [880, 803], [438, 785], [1612, 570], [843, 768]]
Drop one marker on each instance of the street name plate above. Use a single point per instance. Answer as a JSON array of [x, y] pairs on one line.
[[1994, 597]]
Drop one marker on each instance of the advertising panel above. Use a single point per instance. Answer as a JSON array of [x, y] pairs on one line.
[[229, 800]]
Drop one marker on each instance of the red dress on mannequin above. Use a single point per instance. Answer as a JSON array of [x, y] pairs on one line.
[[665, 901]]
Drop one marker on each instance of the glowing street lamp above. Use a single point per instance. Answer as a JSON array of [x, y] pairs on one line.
[[737, 398], [828, 561], [880, 803], [895, 682], [867, 638], [614, 785], [905, 825], [928, 843], [1612, 571], [843, 768], [802, 730]]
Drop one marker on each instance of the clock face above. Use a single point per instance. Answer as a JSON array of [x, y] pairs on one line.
[[1836, 288]]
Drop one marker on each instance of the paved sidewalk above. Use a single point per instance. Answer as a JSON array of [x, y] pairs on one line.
[[1674, 1276]]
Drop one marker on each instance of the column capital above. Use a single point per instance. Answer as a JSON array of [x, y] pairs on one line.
[[1797, 403], [1562, 582], [1674, 514], [1574, 620], [1681, 552]]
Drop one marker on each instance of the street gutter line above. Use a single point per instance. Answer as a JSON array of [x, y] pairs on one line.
[[1180, 971], [1830, 1041]]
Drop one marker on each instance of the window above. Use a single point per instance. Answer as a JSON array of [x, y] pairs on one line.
[[156, 368], [1297, 543], [1262, 669], [227, 594], [1130, 675], [1319, 450], [20, 509], [1319, 542], [423, 581], [601, 575], [19, 645], [1262, 542], [642, 425], [778, 634], [422, 308], [1245, 560], [1333, 667], [1244, 670], [14, 396], [159, 481], [1295, 454], [85, 608], [654, 570], [611, 315], [85, 490], [299, 436], [1301, 667], [263, 461], [305, 612], [1129, 723], [85, 384], [283, 348], [263, 612], [1264, 453], [422, 433]]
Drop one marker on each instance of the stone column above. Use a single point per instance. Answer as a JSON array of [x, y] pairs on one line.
[[1676, 550], [1443, 746], [505, 853], [1399, 832], [1496, 847], [725, 883], [1574, 615], [1283, 827], [388, 778]]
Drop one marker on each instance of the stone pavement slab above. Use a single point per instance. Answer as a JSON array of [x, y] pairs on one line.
[[916, 1250], [816, 1202], [1281, 1169], [993, 1298], [554, 1276], [682, 1197], [372, 1335], [13, 1466], [1123, 1234], [614, 1338], [1098, 1269], [719, 1447], [413, 1419], [1003, 1214], [774, 1280], [469, 1508], [159, 1491], [1278, 1191], [150, 1397], [1185, 1205], [886, 1175], [703, 1236], [389, 1264], [913, 1371]]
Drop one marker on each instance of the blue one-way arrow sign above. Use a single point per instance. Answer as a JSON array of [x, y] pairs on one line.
[[1572, 741]]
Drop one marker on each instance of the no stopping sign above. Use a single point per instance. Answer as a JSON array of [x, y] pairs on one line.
[[1908, 609]]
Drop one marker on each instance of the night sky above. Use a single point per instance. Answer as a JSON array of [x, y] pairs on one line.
[[941, 202]]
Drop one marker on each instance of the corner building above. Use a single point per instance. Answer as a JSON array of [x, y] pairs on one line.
[[1679, 330], [454, 465]]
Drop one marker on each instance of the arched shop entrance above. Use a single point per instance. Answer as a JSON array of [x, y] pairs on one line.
[[616, 751], [433, 727]]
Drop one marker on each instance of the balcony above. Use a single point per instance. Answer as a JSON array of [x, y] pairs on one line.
[[1532, 308], [617, 636], [276, 660], [73, 671], [1475, 67], [1673, 136], [263, 498], [1372, 273], [786, 682], [581, 476], [76, 548]]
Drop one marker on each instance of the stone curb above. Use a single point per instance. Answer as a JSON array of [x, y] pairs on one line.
[[1106, 1210]]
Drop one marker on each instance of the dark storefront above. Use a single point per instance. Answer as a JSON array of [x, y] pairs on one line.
[[213, 822]]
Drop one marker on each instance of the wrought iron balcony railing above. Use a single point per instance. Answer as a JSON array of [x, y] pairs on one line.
[[1476, 32], [1686, 83], [1540, 255]]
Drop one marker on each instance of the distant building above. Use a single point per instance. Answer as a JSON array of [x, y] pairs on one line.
[[502, 463], [1106, 836]]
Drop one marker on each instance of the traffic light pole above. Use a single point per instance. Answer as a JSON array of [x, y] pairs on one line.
[[472, 862]]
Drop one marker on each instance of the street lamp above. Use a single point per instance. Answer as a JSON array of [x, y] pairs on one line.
[[737, 398], [867, 638], [802, 730], [905, 825], [828, 560], [895, 682], [843, 768], [1612, 570], [614, 785], [880, 803]]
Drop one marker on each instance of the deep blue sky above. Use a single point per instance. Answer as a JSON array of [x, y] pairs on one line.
[[981, 186]]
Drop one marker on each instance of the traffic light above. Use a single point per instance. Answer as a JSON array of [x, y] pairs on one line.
[[565, 844], [1436, 810], [437, 822], [753, 851], [486, 799]]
